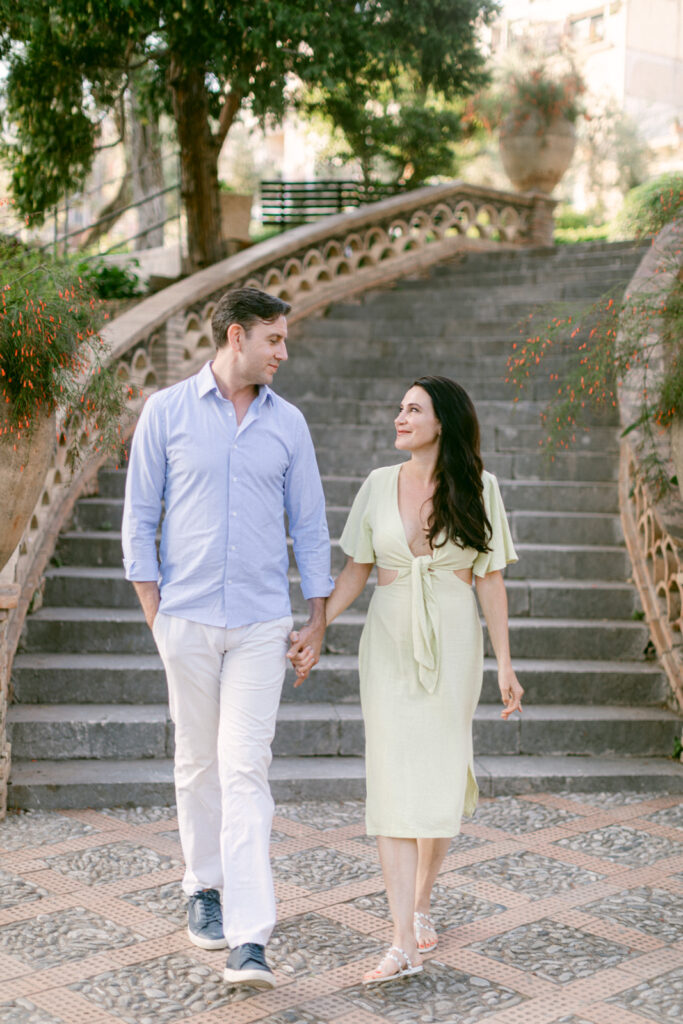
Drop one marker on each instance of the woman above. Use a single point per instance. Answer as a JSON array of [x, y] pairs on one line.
[[429, 524]]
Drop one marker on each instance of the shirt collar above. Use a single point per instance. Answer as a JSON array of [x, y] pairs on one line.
[[206, 382]]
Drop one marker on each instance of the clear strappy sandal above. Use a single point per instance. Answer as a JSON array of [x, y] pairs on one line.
[[422, 923], [405, 968]]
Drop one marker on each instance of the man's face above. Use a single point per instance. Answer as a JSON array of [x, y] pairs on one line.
[[263, 349]]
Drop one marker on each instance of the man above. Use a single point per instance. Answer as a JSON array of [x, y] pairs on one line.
[[228, 457]]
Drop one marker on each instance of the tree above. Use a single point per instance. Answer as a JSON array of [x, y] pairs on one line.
[[70, 60], [401, 133]]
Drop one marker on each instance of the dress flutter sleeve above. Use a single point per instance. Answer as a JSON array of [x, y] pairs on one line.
[[502, 550], [356, 539]]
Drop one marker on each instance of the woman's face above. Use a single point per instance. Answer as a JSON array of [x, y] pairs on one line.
[[416, 424]]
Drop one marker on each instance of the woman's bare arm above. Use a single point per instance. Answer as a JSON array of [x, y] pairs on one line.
[[347, 587], [494, 604]]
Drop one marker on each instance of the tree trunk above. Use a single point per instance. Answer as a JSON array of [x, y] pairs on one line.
[[147, 174], [109, 214], [198, 166]]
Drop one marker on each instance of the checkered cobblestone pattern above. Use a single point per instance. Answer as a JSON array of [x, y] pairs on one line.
[[551, 909]]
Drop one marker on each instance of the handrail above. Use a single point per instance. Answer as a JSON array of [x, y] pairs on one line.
[[166, 337]]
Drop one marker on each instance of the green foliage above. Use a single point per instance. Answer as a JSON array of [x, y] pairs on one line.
[[110, 280], [574, 236], [68, 62], [650, 206], [568, 217], [531, 85], [600, 344], [52, 356], [400, 109], [395, 138]]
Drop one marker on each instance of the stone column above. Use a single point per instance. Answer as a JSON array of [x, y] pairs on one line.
[[9, 597], [541, 221]]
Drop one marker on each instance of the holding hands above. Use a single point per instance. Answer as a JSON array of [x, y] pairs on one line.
[[306, 642]]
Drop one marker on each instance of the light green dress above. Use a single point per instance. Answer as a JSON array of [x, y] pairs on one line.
[[420, 664]]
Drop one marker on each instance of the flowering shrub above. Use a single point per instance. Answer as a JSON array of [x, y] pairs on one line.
[[600, 344], [52, 357], [648, 207], [533, 89], [537, 91]]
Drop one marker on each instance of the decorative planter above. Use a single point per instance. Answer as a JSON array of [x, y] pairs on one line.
[[20, 487], [535, 154], [235, 216]]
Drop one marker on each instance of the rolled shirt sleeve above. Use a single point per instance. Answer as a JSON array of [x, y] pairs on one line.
[[145, 482], [305, 507]]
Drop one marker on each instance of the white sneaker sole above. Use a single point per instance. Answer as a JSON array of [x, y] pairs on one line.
[[203, 943], [253, 977]]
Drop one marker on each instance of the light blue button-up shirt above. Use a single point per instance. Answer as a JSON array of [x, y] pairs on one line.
[[223, 554]]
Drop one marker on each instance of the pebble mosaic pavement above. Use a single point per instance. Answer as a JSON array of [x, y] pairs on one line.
[[552, 909]]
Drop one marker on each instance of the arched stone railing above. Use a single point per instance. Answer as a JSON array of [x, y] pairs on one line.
[[655, 544], [653, 527], [167, 336]]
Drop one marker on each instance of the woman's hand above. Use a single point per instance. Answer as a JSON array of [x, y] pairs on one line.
[[302, 663], [511, 692]]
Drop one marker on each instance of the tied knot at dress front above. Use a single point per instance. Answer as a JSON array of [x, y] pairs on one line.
[[420, 663]]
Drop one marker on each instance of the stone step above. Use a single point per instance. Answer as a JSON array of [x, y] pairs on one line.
[[494, 438], [435, 297], [536, 561], [96, 515], [343, 460], [586, 528], [392, 389], [139, 679], [354, 412], [531, 638], [117, 630], [539, 527], [558, 496], [121, 732], [63, 785], [71, 587], [340, 489]]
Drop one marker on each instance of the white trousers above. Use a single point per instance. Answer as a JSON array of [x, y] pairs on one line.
[[224, 688]]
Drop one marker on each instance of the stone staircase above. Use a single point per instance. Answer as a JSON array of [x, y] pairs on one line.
[[90, 727]]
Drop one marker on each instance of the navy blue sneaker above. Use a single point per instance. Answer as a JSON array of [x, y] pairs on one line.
[[205, 919], [247, 966]]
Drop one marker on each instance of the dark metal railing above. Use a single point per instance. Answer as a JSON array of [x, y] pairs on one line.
[[285, 203]]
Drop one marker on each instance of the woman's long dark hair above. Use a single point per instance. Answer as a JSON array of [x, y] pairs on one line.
[[458, 512]]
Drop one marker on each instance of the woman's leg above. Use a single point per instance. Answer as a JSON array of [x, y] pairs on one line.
[[430, 857], [399, 867]]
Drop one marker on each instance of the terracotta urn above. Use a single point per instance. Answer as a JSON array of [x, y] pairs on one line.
[[23, 465], [536, 154]]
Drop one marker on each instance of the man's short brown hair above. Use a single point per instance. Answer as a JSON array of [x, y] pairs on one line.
[[246, 307]]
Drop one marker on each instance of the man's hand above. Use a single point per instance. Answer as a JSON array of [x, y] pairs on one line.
[[306, 643], [149, 597]]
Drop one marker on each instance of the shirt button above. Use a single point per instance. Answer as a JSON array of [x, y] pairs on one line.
[[229, 581], [232, 547], [234, 479], [233, 513]]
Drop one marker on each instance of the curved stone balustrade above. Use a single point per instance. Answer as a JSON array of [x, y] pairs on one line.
[[653, 528], [166, 337], [654, 538]]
